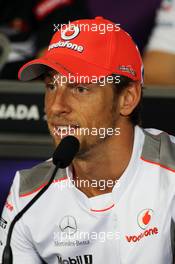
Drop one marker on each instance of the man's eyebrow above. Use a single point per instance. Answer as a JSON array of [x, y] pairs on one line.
[[75, 84]]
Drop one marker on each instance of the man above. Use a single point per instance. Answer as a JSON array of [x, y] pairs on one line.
[[161, 47], [115, 203]]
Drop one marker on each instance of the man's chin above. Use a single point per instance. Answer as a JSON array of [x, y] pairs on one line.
[[86, 149], [58, 139]]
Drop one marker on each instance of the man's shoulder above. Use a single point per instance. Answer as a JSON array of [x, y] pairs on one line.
[[33, 179], [159, 149]]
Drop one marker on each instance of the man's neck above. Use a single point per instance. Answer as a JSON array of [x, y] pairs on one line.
[[105, 164]]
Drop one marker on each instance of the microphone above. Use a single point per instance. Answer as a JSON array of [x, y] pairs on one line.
[[62, 157], [66, 151]]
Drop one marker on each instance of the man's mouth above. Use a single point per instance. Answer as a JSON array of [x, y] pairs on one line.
[[64, 130], [65, 127]]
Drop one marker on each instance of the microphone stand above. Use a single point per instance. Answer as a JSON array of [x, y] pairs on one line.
[[7, 254], [62, 157]]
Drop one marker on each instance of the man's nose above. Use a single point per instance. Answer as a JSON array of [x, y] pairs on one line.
[[61, 104]]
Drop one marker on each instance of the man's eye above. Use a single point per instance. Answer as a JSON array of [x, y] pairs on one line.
[[81, 89], [50, 86]]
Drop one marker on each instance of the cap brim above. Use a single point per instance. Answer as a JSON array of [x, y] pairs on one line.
[[65, 65]]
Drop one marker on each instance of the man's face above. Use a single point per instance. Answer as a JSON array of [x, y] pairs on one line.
[[70, 108]]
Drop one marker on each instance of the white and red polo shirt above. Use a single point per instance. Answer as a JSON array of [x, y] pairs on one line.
[[134, 224]]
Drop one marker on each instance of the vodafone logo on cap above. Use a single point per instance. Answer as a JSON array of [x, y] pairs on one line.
[[144, 217], [67, 34], [70, 33]]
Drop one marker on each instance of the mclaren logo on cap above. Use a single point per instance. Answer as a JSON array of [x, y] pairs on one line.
[[70, 33]]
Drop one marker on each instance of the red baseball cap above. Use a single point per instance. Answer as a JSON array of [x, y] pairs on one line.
[[88, 47]]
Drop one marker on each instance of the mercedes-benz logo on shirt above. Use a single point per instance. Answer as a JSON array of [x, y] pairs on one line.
[[68, 225]]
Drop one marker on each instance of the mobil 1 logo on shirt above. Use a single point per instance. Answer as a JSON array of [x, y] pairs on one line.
[[85, 259]]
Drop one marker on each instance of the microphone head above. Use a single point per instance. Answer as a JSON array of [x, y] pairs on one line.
[[66, 151]]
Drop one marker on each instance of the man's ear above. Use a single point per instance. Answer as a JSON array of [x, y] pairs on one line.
[[130, 98]]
